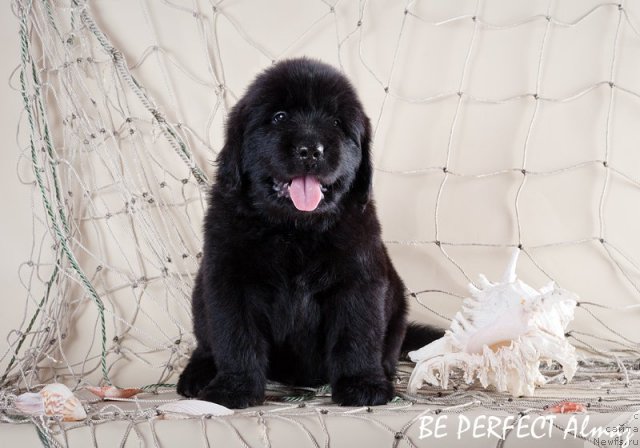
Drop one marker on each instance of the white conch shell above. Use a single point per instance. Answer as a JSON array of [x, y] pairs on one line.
[[500, 337], [59, 401], [185, 408]]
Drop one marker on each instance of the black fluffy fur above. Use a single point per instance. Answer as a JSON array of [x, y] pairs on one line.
[[303, 298]]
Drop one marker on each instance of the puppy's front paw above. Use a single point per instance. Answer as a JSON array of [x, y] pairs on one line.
[[233, 391], [362, 390], [195, 377]]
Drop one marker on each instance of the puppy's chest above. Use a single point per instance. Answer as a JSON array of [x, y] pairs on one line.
[[295, 262], [297, 274], [294, 310]]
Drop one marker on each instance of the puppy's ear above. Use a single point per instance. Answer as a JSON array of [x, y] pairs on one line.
[[363, 182], [229, 160]]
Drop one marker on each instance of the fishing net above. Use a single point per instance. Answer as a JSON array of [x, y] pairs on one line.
[[498, 125]]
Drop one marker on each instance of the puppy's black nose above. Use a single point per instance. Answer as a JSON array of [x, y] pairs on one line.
[[310, 153]]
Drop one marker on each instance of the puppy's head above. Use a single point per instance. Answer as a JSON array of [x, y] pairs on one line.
[[297, 142]]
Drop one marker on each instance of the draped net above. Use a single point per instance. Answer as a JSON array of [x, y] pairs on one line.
[[497, 125]]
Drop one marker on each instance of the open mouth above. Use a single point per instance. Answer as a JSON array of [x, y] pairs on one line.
[[305, 192]]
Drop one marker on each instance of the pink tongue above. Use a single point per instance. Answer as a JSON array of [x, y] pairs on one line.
[[305, 193]]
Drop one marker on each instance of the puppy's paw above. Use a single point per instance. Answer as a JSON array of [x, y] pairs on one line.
[[362, 390], [233, 391], [195, 377], [389, 367]]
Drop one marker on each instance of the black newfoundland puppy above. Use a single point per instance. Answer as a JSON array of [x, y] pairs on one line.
[[295, 283]]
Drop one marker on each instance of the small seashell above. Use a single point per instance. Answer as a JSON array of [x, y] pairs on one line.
[[184, 408], [107, 392], [567, 407], [30, 403], [60, 401]]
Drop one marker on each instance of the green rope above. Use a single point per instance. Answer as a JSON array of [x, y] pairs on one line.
[[52, 22], [43, 436], [44, 299], [62, 234], [157, 386]]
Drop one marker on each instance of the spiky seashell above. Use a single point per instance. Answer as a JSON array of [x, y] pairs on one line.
[[29, 403], [108, 392], [503, 333], [185, 408], [60, 401]]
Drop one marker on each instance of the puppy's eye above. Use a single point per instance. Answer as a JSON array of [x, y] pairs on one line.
[[279, 117], [337, 122]]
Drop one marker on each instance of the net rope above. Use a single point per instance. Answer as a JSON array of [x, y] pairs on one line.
[[119, 180]]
